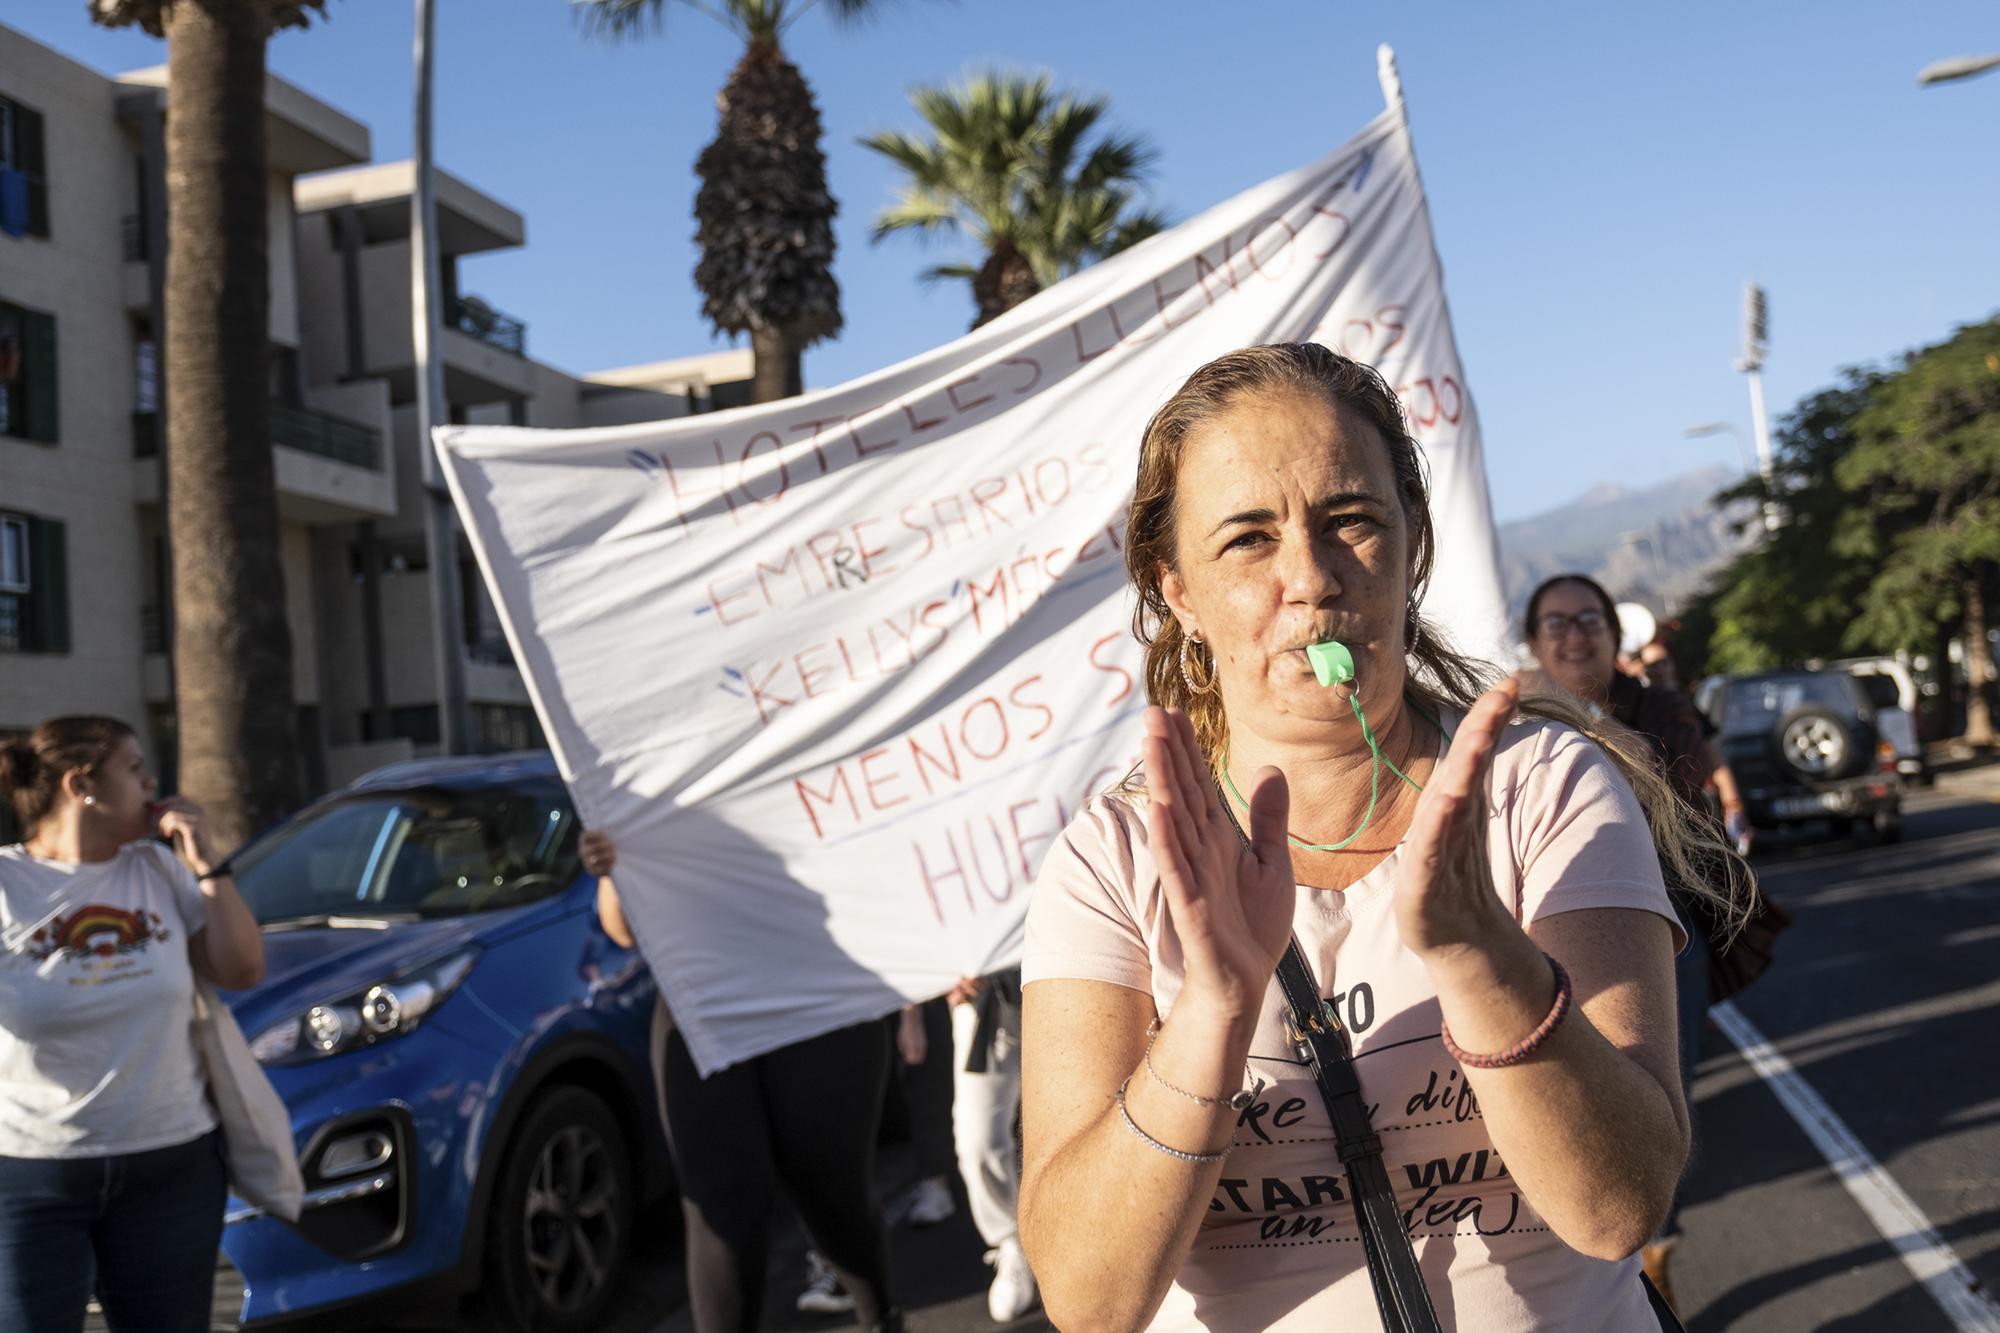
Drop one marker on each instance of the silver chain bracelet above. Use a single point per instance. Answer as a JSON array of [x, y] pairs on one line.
[[1236, 1101], [1198, 1158]]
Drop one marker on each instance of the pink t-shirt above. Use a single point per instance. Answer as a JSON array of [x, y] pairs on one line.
[[1280, 1247]]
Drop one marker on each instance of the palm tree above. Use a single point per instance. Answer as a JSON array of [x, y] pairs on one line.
[[763, 215], [1007, 161], [232, 650]]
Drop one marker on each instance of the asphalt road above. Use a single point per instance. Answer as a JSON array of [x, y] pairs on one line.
[[1885, 999]]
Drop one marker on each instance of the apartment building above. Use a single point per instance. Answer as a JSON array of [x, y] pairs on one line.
[[84, 589]]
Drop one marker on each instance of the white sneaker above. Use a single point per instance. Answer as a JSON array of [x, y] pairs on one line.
[[823, 1293], [1013, 1291], [930, 1202]]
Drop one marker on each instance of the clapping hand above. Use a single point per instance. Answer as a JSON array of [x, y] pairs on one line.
[[1231, 901], [1445, 897]]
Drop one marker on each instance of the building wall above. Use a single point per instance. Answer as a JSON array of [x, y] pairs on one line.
[[295, 555], [322, 300], [83, 479], [284, 267], [108, 500]]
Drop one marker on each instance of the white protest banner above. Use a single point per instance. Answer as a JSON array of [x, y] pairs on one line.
[[835, 671]]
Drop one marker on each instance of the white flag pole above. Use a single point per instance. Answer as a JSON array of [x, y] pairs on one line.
[[1392, 95]]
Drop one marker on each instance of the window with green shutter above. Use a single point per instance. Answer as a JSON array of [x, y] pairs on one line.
[[48, 604], [16, 580], [34, 585], [25, 158], [28, 385]]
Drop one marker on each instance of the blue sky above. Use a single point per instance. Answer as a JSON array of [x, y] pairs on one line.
[[1604, 178]]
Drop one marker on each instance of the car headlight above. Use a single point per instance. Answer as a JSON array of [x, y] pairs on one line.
[[361, 1018]]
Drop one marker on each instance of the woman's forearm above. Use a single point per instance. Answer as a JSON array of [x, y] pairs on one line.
[[1107, 1219], [611, 913], [1724, 780], [1594, 1139], [232, 943]]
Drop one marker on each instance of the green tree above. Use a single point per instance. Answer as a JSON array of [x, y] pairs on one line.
[[232, 650], [1890, 488], [763, 215], [1784, 600], [1925, 468], [1014, 164]]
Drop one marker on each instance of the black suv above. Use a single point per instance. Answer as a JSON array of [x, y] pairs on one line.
[[1804, 746]]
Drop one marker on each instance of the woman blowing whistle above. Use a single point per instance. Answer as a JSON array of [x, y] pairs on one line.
[[1482, 897]]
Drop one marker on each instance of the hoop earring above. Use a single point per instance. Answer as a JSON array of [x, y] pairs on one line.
[[1187, 668]]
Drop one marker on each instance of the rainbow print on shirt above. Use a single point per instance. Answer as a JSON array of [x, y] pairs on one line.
[[98, 931]]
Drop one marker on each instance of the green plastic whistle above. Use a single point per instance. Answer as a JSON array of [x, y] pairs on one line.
[[1331, 662]]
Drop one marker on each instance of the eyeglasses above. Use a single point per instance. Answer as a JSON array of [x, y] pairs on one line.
[[1555, 624]]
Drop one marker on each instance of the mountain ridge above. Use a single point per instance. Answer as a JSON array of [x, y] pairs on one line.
[[1654, 544]]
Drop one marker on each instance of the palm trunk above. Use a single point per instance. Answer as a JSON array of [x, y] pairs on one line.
[[1004, 281], [778, 366], [1978, 665], [232, 648]]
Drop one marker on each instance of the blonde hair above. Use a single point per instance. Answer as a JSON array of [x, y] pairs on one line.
[[1693, 857]]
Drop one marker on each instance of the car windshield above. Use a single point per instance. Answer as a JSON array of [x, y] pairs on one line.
[[414, 852], [1750, 706]]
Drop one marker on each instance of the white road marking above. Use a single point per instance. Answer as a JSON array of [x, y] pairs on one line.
[[1895, 1214]]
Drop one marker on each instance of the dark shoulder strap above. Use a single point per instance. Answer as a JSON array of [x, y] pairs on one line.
[[1316, 1034]]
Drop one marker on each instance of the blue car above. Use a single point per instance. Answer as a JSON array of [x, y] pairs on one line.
[[464, 1052]]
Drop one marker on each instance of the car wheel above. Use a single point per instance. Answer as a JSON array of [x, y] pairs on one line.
[[1815, 744], [561, 1219]]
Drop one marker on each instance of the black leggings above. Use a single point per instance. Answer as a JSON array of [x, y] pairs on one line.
[[804, 1116]]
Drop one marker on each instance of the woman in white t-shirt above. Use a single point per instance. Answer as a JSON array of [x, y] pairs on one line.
[[111, 1174], [1532, 1143]]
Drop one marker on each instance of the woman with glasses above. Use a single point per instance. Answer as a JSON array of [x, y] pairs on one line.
[[1573, 632]]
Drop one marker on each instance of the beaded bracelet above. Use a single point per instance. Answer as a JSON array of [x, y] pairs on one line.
[[1525, 1047], [1200, 1158]]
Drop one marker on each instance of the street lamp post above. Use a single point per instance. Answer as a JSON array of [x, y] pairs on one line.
[[1756, 318], [426, 332]]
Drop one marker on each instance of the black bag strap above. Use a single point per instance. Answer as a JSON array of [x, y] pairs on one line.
[[1316, 1034]]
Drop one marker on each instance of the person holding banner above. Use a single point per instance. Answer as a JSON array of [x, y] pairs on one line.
[[805, 1115], [1476, 1078]]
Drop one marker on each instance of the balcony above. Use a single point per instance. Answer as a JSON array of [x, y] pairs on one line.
[[318, 433], [480, 348], [152, 629], [329, 467], [325, 435], [474, 318]]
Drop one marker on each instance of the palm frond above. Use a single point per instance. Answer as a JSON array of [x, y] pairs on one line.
[[1116, 161], [925, 165], [616, 20], [938, 273], [1028, 172], [916, 210]]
